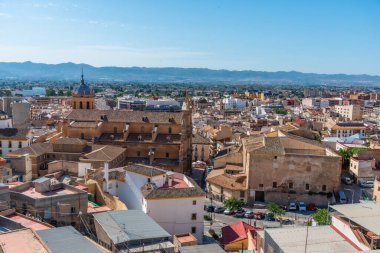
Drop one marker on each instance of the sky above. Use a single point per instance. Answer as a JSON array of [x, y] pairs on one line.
[[324, 36]]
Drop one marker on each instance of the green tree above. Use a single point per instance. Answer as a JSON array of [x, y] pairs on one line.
[[275, 209], [69, 93], [51, 93], [280, 111], [234, 204], [322, 216], [60, 93]]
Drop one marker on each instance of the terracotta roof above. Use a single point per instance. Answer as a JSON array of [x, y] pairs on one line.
[[67, 140], [235, 182], [145, 170], [23, 240], [199, 139], [104, 153], [149, 192], [235, 232], [126, 116], [35, 149]]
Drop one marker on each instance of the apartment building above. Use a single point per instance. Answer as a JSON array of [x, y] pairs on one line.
[[349, 112]]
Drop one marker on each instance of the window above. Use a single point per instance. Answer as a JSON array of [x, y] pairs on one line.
[[138, 153], [261, 185], [1, 144], [324, 188], [10, 144], [274, 185], [82, 135], [242, 194], [193, 230], [80, 105], [115, 130], [19, 144], [194, 202], [290, 185], [167, 155], [88, 105], [73, 209], [275, 158], [307, 187], [193, 216], [170, 130]]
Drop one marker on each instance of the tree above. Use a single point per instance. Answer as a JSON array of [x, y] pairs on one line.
[[321, 216], [51, 93], [69, 93], [234, 204], [60, 93], [275, 209], [346, 154]]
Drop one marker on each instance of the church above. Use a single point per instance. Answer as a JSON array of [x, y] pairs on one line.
[[162, 139]]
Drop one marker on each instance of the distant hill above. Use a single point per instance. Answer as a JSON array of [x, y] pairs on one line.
[[71, 71]]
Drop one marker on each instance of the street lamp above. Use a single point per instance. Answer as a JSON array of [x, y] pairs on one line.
[[352, 193]]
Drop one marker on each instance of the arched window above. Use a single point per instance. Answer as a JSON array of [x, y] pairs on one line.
[[80, 105], [170, 130], [88, 105]]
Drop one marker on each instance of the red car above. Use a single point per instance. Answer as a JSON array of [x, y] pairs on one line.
[[259, 215], [311, 207]]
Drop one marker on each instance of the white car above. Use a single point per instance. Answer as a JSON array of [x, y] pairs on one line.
[[302, 206], [292, 206]]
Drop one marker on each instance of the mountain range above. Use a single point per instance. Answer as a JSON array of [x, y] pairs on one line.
[[71, 71]]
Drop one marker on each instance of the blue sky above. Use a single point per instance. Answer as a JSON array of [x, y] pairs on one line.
[[324, 36]]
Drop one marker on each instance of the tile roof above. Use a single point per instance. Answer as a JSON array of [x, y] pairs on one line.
[[145, 170], [150, 192], [23, 240], [67, 140], [36, 149], [235, 232], [199, 139], [126, 116], [104, 153], [235, 182]]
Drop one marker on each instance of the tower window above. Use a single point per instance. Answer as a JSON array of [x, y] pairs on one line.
[[88, 105], [80, 105]]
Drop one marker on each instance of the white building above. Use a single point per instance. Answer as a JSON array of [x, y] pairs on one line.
[[235, 103], [5, 121], [12, 139], [173, 200]]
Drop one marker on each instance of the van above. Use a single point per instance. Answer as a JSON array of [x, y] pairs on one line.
[[342, 198]]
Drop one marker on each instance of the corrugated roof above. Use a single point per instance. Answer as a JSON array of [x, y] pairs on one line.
[[68, 240], [129, 225]]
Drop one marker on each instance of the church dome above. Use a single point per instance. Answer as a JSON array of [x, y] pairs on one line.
[[83, 89]]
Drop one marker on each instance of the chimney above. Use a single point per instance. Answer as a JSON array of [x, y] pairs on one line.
[[106, 176]]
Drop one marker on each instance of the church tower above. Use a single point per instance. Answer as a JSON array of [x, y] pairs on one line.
[[83, 96]]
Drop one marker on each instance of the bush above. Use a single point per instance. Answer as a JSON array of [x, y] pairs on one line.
[[206, 217], [213, 234]]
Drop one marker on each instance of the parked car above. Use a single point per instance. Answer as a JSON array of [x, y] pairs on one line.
[[210, 208], [311, 207], [228, 211], [239, 214], [269, 217], [248, 214], [366, 183], [302, 206], [287, 222], [342, 197], [259, 215], [346, 180], [292, 206], [219, 209]]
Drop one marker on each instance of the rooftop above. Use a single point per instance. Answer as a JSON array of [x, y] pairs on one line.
[[366, 214], [27, 222], [23, 240], [323, 239], [235, 232], [68, 240], [205, 248], [129, 225]]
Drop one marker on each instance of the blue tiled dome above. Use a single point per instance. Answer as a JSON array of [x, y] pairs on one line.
[[83, 89]]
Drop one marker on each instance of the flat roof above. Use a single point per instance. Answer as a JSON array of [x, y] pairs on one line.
[[23, 240], [32, 193], [206, 248], [321, 239], [365, 214], [28, 222]]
